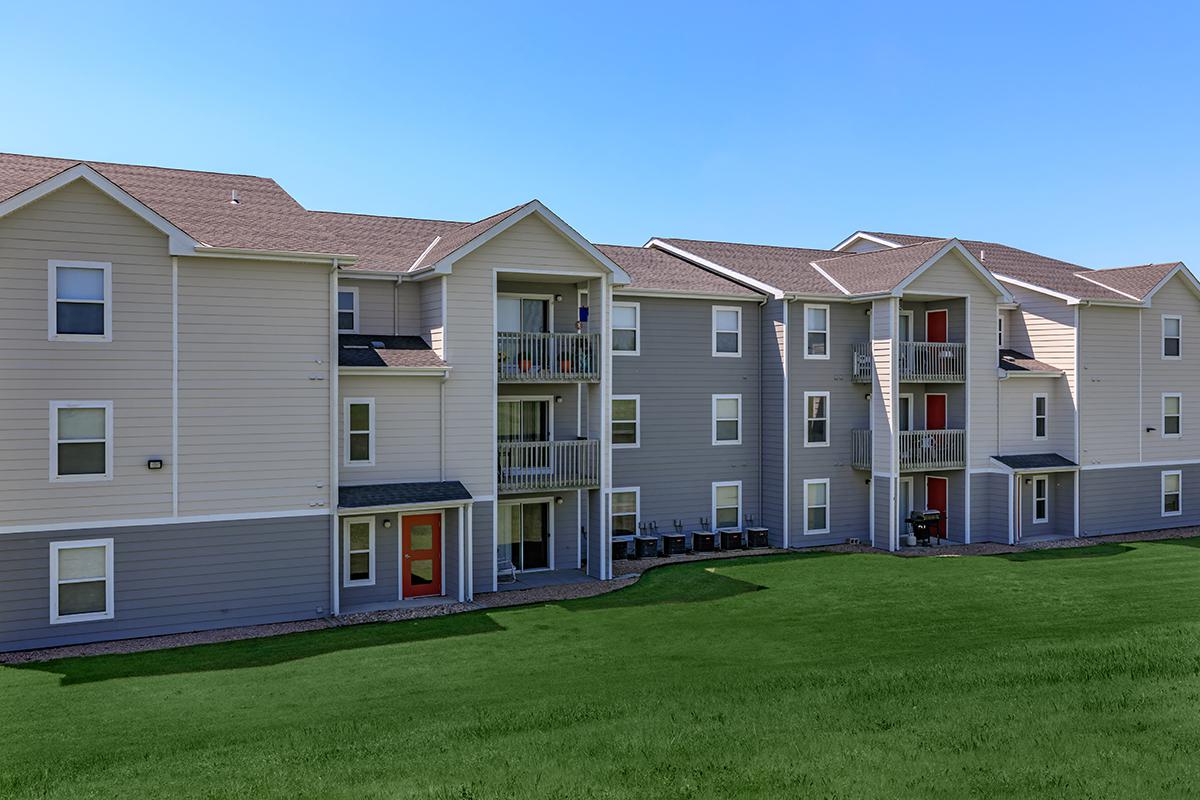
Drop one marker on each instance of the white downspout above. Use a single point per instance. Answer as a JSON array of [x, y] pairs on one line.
[[335, 604]]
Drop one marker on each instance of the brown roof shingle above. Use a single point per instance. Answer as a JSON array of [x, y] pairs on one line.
[[1016, 361], [652, 268], [1136, 281], [359, 350], [385, 244], [786, 268], [879, 270]]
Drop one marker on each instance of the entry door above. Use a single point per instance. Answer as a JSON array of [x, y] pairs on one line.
[[523, 421], [935, 412], [936, 324], [936, 490], [421, 555], [523, 535], [906, 504], [522, 314]]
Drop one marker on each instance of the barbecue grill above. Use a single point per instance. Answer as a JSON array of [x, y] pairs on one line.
[[925, 524]]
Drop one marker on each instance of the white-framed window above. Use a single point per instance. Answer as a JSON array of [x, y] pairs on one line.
[[1041, 499], [626, 420], [626, 329], [727, 331], [80, 301], [816, 419], [727, 504], [359, 444], [626, 507], [81, 440], [1172, 336], [1172, 415], [726, 419], [358, 551], [816, 331], [1000, 331], [81, 581], [1039, 416], [347, 310], [816, 505], [1172, 492]]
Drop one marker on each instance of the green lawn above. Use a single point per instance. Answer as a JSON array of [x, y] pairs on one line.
[[1068, 673]]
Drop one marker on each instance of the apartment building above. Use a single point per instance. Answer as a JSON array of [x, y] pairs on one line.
[[219, 408]]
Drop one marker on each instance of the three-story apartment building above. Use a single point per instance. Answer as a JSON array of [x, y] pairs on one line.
[[219, 408]]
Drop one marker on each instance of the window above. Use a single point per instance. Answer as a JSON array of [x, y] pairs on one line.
[[81, 436], [816, 506], [360, 432], [1172, 493], [816, 331], [1039, 416], [1000, 331], [80, 301], [626, 319], [626, 505], [1172, 415], [906, 326], [523, 313], [1041, 499], [527, 420], [727, 504], [1172, 336], [626, 420], [816, 419], [347, 310], [906, 412], [81, 580], [358, 551], [727, 419], [727, 331]]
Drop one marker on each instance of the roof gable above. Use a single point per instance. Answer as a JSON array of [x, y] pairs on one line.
[[891, 270]]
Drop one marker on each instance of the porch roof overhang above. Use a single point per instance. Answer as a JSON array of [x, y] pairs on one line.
[[402, 496], [1036, 462]]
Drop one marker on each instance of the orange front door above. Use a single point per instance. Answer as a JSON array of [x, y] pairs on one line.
[[936, 490], [936, 324], [935, 412], [421, 555]]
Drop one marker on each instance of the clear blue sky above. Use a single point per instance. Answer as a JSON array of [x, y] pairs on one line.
[[1067, 129]]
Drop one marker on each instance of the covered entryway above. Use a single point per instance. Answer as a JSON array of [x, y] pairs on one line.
[[1041, 496]]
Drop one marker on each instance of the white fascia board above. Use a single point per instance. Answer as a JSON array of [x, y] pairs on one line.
[[956, 245], [370, 275], [292, 256], [1179, 269], [1082, 276], [829, 278], [352, 512], [862, 235], [726, 272], [1005, 374], [633, 291], [395, 372], [180, 243], [1068, 299]]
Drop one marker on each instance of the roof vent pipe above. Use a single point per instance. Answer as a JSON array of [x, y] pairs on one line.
[[983, 255], [233, 198]]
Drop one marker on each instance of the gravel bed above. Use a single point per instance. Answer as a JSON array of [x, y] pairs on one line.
[[626, 572]]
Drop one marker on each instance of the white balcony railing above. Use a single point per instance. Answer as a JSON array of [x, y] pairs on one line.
[[920, 451], [917, 362], [548, 357], [536, 466]]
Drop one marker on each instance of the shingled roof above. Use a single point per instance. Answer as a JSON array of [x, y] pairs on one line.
[[879, 270], [360, 350], [1137, 282], [653, 269], [788, 269], [384, 244]]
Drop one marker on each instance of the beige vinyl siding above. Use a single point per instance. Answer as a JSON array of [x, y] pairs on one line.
[[952, 275], [407, 429], [386, 308], [1110, 429], [1016, 417], [253, 386], [430, 314], [883, 390], [1044, 327], [80, 223], [1171, 375]]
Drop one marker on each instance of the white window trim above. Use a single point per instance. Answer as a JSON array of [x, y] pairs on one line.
[[109, 589], [828, 506], [1162, 419], [637, 420], [107, 405], [637, 506], [715, 398], [637, 329], [737, 310], [911, 322], [1162, 344], [1162, 492], [346, 523], [354, 291], [1000, 330], [346, 403], [713, 509], [828, 336], [1045, 417], [828, 411], [52, 302], [911, 419], [1044, 480]]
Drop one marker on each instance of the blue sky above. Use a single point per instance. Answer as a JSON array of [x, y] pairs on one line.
[[1068, 129]]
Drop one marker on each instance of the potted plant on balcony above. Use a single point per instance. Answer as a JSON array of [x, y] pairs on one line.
[[525, 361], [565, 364]]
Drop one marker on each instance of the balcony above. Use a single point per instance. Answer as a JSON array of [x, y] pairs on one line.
[[920, 451], [539, 466], [548, 357], [917, 362]]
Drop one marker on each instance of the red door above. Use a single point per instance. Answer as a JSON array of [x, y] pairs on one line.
[[935, 497], [936, 323], [935, 412], [421, 555]]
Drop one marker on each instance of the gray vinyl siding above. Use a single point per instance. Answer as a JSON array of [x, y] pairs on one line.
[[676, 376], [1171, 375], [774, 336], [385, 307], [1125, 500], [1061, 513], [563, 313], [881, 488], [566, 524], [174, 578], [989, 507], [387, 565], [407, 429], [482, 553], [564, 415], [1044, 327]]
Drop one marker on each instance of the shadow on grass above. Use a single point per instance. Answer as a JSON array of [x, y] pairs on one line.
[[264, 652], [1193, 542], [1067, 553]]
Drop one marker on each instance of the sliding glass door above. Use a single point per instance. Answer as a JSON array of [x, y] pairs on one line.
[[523, 536], [523, 421]]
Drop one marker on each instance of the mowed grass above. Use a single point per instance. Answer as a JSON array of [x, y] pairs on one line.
[[1072, 673]]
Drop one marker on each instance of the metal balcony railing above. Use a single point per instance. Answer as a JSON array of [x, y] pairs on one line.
[[920, 451], [548, 357], [537, 466], [916, 362]]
